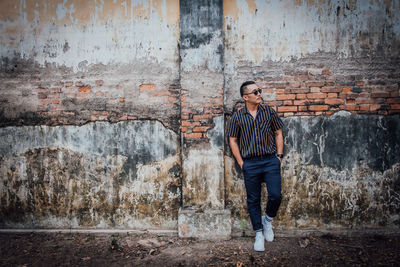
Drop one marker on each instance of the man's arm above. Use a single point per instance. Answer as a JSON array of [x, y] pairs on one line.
[[279, 142], [233, 143]]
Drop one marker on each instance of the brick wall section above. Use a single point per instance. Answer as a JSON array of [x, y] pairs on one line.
[[303, 93], [77, 102], [197, 119]]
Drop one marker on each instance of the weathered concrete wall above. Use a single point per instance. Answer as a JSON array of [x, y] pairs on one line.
[[69, 65], [341, 171], [202, 103], [202, 81], [98, 175], [71, 62], [112, 112], [320, 64]]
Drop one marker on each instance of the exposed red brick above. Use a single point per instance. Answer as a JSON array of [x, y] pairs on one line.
[[331, 90], [301, 102], [300, 90], [193, 135], [301, 96], [315, 89], [85, 89], [332, 95], [286, 97], [318, 107], [184, 129], [352, 107], [395, 106], [202, 117], [190, 123], [184, 117], [303, 108], [350, 101], [272, 103], [394, 94], [280, 91], [123, 118], [288, 102], [121, 99], [333, 101], [374, 107], [201, 129], [364, 107], [393, 101], [316, 95], [287, 108], [147, 87], [56, 101], [172, 99], [346, 90], [288, 114], [364, 100], [315, 83], [295, 84], [380, 94]]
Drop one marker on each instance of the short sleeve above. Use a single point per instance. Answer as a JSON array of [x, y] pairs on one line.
[[233, 129], [276, 122]]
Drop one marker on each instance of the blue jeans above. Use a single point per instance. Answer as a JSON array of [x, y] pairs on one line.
[[257, 170]]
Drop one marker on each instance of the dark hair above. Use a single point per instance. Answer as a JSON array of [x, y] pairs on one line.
[[244, 87]]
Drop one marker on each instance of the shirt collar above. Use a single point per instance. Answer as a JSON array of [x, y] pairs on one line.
[[260, 108]]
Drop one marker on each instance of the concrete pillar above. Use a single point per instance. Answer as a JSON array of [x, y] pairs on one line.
[[201, 49]]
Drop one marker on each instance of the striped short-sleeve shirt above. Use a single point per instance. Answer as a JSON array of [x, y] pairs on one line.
[[256, 136]]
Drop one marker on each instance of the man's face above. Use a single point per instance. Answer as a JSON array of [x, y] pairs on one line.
[[252, 94]]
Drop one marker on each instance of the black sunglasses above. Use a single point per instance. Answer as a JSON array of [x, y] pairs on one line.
[[255, 92]]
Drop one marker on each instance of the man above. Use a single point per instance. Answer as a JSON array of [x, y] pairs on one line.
[[256, 141]]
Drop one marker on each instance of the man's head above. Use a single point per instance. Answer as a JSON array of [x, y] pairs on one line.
[[251, 93]]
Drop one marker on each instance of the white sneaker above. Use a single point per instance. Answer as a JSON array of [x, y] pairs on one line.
[[268, 232], [259, 244]]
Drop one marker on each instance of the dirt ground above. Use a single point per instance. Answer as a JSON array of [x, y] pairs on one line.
[[73, 249]]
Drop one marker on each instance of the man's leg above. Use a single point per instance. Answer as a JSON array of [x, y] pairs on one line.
[[272, 177], [252, 182]]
